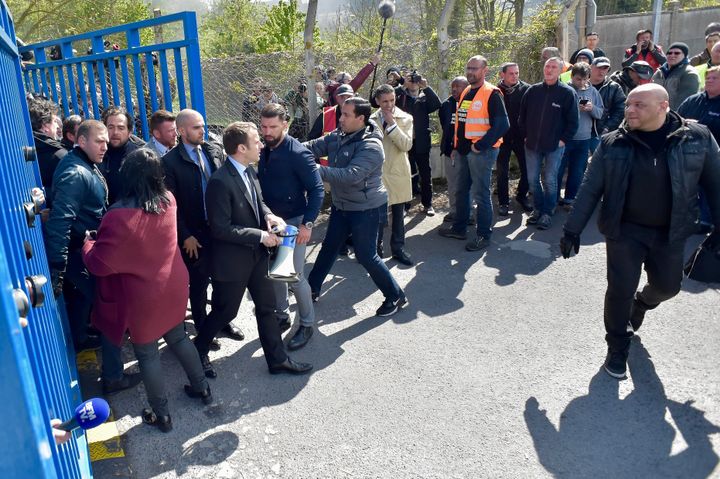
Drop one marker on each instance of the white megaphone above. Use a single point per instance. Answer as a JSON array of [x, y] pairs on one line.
[[283, 268]]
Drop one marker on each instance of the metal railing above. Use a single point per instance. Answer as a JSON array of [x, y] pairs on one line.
[[38, 381], [126, 65]]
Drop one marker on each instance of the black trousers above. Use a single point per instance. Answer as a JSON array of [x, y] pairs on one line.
[[199, 282], [639, 247], [226, 299], [421, 175], [516, 146]]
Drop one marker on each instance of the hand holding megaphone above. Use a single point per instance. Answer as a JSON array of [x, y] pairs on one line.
[[88, 415]]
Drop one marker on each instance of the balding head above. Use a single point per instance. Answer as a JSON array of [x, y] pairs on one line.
[[191, 126], [186, 116], [646, 107], [715, 54], [654, 91], [457, 86]]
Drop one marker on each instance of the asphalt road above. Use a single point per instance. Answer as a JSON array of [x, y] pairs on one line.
[[494, 370]]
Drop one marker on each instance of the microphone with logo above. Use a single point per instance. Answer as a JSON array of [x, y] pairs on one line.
[[88, 415]]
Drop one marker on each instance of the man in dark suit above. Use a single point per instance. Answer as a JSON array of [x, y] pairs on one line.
[[187, 176], [241, 225]]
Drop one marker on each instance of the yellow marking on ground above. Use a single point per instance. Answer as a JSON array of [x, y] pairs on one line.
[[87, 360], [104, 440]]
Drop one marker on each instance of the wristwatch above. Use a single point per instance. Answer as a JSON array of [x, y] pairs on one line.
[[309, 225]]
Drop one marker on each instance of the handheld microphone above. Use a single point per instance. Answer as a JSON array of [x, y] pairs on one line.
[[88, 415]]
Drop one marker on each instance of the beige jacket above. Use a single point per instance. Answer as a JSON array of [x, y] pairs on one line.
[[396, 174]]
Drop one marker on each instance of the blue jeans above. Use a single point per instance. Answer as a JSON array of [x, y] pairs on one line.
[[475, 173], [594, 143], [545, 191], [575, 158], [303, 298], [364, 228]]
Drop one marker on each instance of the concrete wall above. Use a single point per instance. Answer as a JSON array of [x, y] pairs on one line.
[[617, 32]]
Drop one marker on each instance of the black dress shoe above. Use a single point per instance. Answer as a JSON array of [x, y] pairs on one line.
[[284, 323], [291, 367], [403, 258], [214, 345], [207, 367], [233, 332], [205, 395], [300, 338], [164, 423], [126, 382]]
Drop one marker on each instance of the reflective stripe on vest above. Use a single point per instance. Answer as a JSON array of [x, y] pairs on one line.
[[477, 115]]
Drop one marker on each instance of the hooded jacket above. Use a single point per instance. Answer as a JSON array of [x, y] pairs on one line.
[[354, 168], [548, 114], [693, 160]]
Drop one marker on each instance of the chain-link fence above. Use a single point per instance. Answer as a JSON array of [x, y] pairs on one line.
[[237, 88]]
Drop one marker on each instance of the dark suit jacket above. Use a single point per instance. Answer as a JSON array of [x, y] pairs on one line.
[[235, 229], [184, 179]]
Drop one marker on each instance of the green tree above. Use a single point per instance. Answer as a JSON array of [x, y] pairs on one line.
[[283, 29], [37, 20], [230, 28]]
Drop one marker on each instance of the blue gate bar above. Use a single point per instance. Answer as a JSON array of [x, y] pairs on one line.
[[135, 85]]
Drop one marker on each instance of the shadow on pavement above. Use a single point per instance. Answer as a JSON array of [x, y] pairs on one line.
[[602, 435]]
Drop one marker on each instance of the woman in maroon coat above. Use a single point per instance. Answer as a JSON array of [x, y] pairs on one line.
[[142, 282]]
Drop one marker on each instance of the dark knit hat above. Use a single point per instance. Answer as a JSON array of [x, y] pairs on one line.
[[680, 46], [586, 52]]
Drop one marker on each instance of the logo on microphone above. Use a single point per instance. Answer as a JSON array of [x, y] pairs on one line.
[[88, 412]]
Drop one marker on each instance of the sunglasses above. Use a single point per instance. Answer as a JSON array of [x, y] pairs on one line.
[[674, 53]]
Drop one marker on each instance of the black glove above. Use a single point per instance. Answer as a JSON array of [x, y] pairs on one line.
[[568, 242], [56, 279]]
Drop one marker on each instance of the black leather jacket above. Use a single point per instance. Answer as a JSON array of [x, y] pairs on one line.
[[693, 159]]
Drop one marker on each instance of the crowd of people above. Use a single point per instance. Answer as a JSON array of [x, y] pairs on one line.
[[134, 231]]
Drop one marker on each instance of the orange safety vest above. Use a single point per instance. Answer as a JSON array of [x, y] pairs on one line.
[[329, 125], [476, 114]]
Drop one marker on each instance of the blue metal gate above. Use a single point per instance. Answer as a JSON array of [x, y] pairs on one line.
[[126, 65], [39, 378]]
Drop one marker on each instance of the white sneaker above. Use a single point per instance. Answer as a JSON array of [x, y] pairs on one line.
[[430, 211]]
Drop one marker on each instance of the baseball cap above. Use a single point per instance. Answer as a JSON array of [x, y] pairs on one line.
[[643, 69], [344, 90], [601, 62]]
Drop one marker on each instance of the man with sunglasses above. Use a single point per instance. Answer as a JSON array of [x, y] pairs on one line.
[[677, 76]]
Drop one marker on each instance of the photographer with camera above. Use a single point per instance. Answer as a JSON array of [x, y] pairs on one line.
[[418, 99], [645, 50]]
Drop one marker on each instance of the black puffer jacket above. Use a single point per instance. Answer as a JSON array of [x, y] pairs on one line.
[[693, 159]]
